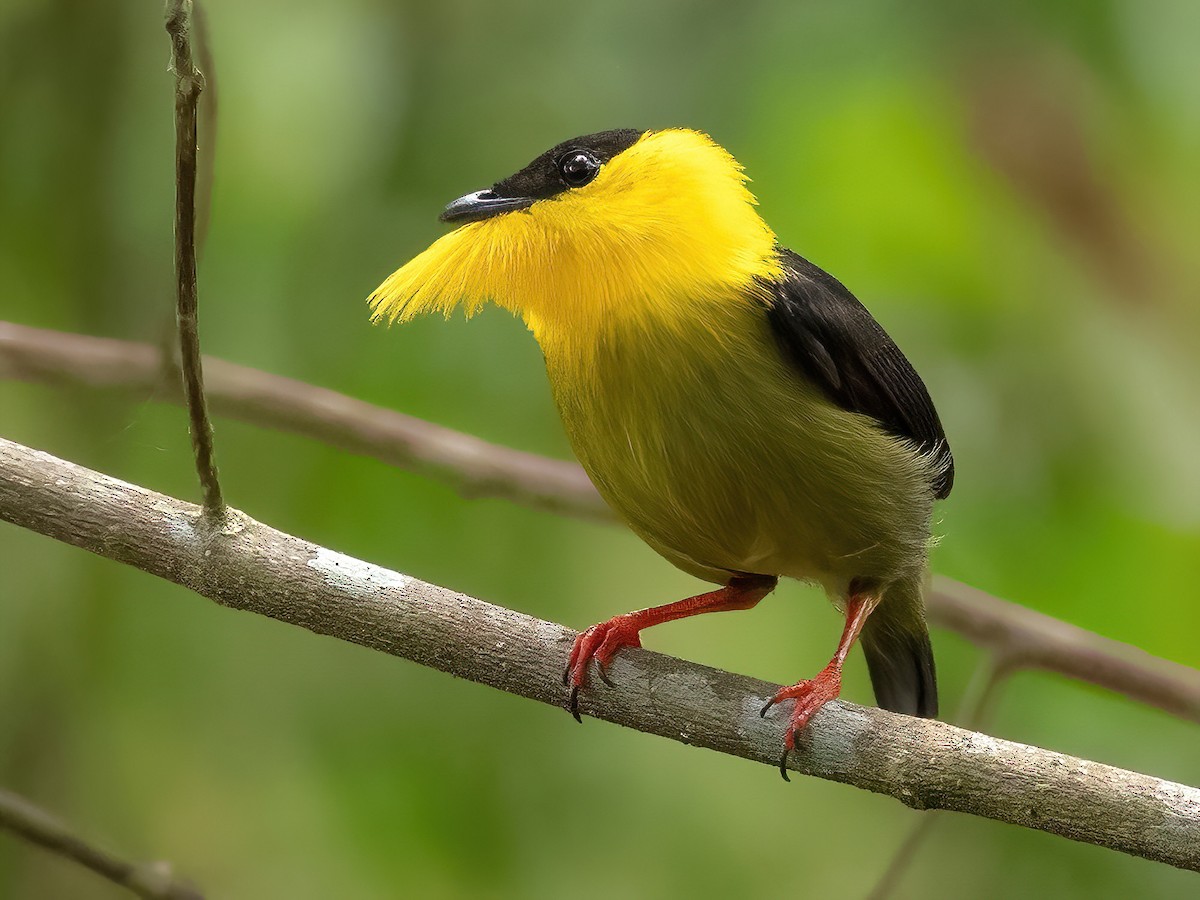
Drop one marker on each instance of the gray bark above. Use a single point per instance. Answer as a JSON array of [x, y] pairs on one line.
[[151, 881], [1019, 637], [243, 564]]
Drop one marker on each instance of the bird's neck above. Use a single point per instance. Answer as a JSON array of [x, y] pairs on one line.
[[652, 259], [608, 285]]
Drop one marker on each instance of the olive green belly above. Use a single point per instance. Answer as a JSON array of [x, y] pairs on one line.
[[724, 459]]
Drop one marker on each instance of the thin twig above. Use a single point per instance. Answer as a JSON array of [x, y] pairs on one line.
[[152, 881], [189, 82], [985, 683], [1027, 639], [924, 763], [980, 695], [480, 469], [903, 856], [206, 144], [475, 467]]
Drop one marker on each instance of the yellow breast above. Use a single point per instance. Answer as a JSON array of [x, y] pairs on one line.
[[667, 225]]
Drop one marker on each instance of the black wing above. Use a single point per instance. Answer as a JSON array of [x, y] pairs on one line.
[[835, 341]]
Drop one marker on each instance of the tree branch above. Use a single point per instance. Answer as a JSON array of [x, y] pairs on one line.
[[189, 82], [926, 764], [206, 145], [1019, 636], [152, 881], [976, 703], [1023, 638], [474, 466]]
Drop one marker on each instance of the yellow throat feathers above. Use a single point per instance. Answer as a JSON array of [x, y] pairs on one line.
[[666, 233]]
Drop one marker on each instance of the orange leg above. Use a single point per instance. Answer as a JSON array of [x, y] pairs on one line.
[[601, 642], [811, 695]]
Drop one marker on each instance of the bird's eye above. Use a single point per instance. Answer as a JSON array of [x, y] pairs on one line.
[[578, 167]]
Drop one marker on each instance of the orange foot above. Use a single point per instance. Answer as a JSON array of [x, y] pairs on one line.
[[601, 643], [810, 696]]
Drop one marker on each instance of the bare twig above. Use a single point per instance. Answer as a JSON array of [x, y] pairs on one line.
[[983, 688], [152, 881], [926, 764], [206, 145], [477, 468], [977, 701], [1024, 637], [189, 82], [903, 856]]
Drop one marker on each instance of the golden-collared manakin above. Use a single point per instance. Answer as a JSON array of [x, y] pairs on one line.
[[735, 404]]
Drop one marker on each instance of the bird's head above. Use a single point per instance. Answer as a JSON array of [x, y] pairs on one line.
[[598, 229]]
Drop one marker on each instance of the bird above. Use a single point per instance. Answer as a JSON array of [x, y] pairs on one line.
[[737, 407]]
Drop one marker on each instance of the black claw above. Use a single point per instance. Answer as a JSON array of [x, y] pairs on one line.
[[566, 674], [800, 737], [604, 676], [783, 765], [573, 705], [762, 713]]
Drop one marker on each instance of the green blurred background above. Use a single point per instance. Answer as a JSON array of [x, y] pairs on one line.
[[1012, 189]]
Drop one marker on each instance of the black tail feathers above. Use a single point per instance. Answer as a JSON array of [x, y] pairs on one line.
[[895, 641]]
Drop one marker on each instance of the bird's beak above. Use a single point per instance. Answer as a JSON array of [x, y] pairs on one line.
[[482, 205]]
